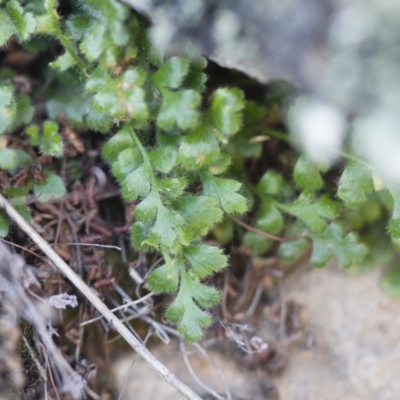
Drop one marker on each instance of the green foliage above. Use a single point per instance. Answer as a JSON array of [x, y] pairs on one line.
[[14, 21], [178, 152], [391, 282], [52, 188], [355, 184]]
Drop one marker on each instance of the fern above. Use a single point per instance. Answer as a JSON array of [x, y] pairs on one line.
[[171, 152]]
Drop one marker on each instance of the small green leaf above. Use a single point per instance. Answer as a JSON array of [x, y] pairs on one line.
[[199, 148], [184, 312], [355, 184], [220, 165], [394, 223], [189, 317], [201, 213], [146, 210], [163, 159], [136, 184], [257, 242], [172, 72], [140, 233], [205, 259], [127, 161], [4, 224], [226, 107], [172, 187], [270, 183], [94, 42], [179, 108], [196, 78], [120, 141], [52, 188], [164, 279], [51, 142], [391, 282], [8, 107], [269, 218], [12, 159], [291, 250], [335, 241], [23, 23], [307, 175], [204, 295], [312, 213], [24, 112], [63, 62], [136, 106], [7, 29], [166, 228], [225, 191], [132, 77]]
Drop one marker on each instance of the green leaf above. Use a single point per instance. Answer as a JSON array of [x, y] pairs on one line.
[[189, 317], [7, 29], [24, 24], [167, 226], [172, 72], [184, 312], [391, 282], [120, 141], [12, 159], [8, 107], [132, 77], [127, 161], [291, 250], [198, 149], [269, 218], [24, 112], [205, 259], [172, 187], [146, 210], [179, 108], [63, 62], [307, 175], [94, 42], [140, 233], [52, 188], [394, 223], [335, 241], [136, 184], [270, 183], [220, 165], [4, 224], [163, 159], [257, 242], [196, 78], [355, 184], [204, 295], [201, 213], [226, 107], [51, 142], [136, 106], [164, 279], [312, 213], [225, 191]]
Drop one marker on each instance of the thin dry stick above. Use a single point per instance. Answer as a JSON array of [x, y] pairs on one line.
[[96, 302], [262, 233]]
